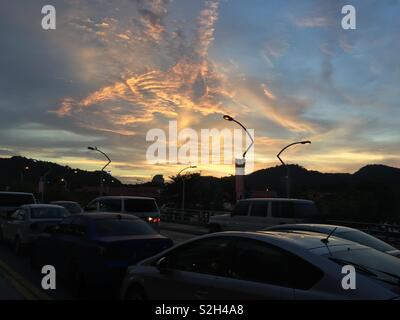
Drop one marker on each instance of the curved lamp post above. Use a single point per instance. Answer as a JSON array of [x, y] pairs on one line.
[[229, 118], [240, 165], [287, 168], [183, 186], [102, 170]]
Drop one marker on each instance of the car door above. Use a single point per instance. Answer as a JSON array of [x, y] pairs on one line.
[[9, 225], [239, 218], [192, 270], [13, 226], [257, 271], [50, 247], [258, 215], [74, 244]]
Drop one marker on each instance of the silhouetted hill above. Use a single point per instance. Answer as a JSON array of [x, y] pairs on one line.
[[378, 172], [20, 171]]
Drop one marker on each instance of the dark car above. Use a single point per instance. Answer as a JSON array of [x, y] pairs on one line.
[[94, 249]]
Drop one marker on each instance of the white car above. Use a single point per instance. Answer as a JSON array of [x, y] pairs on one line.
[[263, 265], [259, 213], [23, 226]]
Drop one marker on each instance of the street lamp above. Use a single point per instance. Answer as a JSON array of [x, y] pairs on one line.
[[102, 170], [287, 168], [240, 163], [183, 186], [229, 118]]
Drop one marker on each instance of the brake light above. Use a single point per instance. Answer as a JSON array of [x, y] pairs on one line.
[[153, 220]]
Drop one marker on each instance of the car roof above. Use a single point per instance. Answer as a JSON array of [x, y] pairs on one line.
[[322, 228], [124, 197], [17, 193], [105, 215], [303, 240], [279, 199], [41, 206], [61, 201]]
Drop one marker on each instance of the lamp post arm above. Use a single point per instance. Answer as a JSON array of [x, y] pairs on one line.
[[248, 133]]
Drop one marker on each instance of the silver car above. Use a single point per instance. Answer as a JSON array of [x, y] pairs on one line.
[[263, 265], [341, 232], [28, 221]]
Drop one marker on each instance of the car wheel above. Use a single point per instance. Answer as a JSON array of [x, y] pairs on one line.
[[135, 293], [17, 246], [1, 236]]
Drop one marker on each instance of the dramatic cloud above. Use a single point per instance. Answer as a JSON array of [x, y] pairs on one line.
[[112, 70]]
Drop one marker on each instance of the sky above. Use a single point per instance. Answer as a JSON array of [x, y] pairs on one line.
[[113, 70]]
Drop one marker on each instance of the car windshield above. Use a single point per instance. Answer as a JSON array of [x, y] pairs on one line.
[[15, 200], [365, 239], [384, 266], [113, 227], [140, 205], [49, 213]]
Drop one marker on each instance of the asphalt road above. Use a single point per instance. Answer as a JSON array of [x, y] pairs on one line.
[[18, 281]]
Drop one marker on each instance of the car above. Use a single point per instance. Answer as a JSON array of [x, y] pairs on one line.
[[259, 213], [11, 201], [142, 207], [24, 225], [71, 206], [93, 250], [239, 265], [341, 232]]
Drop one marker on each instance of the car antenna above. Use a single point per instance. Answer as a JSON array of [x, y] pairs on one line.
[[326, 240]]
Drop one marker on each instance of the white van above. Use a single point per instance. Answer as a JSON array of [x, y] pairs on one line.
[[142, 207], [259, 213]]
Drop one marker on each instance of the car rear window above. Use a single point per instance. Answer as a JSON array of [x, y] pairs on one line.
[[140, 205], [366, 239], [114, 227], [71, 207], [15, 200], [49, 213]]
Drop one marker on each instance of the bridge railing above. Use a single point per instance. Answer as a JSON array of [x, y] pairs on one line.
[[188, 216]]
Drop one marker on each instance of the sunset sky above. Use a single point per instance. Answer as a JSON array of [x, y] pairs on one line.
[[114, 69]]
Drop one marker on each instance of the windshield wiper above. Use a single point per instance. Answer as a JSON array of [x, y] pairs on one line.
[[355, 265]]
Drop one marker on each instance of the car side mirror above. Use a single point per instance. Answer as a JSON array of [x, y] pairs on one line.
[[162, 265]]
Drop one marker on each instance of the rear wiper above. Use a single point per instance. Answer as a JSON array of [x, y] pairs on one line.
[[395, 276], [355, 265]]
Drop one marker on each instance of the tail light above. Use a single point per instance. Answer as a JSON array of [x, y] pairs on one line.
[[153, 220]]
